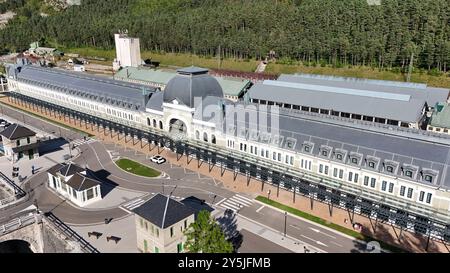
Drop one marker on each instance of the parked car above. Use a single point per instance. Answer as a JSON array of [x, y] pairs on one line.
[[158, 159]]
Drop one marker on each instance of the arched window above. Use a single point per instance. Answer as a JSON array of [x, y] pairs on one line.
[[160, 125], [197, 134], [148, 121], [205, 137], [213, 139], [154, 123]]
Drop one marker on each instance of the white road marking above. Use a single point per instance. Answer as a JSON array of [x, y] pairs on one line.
[[318, 231], [243, 197], [317, 242], [258, 210], [236, 197]]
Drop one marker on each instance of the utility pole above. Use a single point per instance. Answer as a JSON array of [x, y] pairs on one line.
[[285, 222], [408, 79], [219, 59]]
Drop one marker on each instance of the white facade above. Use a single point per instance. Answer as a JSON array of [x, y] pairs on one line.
[[80, 198], [128, 52], [389, 188]]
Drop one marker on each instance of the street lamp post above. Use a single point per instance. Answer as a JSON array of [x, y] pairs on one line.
[[285, 222], [268, 194]]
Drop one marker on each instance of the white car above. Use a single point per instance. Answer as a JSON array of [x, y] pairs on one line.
[[158, 159]]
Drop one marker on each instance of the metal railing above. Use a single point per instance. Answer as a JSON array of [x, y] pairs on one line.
[[69, 232], [17, 223], [18, 191]]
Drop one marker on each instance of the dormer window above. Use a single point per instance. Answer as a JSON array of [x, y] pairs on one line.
[[354, 160], [389, 169], [307, 149], [325, 153], [408, 173], [339, 156], [428, 178], [371, 164]]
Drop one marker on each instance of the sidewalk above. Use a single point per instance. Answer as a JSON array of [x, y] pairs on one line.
[[377, 230]]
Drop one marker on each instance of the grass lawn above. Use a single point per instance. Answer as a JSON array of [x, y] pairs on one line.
[[323, 222], [50, 120], [136, 168]]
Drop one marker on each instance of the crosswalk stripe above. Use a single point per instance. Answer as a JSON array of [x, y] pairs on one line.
[[133, 202], [227, 204], [135, 206], [243, 197], [239, 200]]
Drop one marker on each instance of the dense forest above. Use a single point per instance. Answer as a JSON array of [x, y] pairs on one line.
[[347, 32]]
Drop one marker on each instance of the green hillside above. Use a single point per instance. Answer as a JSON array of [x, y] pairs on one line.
[[313, 33]]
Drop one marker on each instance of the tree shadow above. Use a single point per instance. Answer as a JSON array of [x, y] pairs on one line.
[[196, 204], [228, 223]]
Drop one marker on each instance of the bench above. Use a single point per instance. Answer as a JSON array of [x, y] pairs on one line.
[[113, 238], [95, 233]]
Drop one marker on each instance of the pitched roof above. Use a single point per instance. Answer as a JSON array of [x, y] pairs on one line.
[[398, 107], [96, 88], [70, 169], [16, 131], [80, 182], [54, 169], [441, 116], [163, 211]]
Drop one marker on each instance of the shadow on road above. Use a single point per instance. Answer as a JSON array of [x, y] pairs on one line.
[[52, 145], [106, 185], [228, 223]]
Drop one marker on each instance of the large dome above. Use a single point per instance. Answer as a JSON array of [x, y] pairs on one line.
[[190, 83]]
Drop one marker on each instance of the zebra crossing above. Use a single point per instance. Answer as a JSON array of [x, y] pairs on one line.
[[131, 205], [79, 142], [236, 202]]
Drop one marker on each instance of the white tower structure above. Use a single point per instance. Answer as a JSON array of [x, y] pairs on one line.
[[128, 52]]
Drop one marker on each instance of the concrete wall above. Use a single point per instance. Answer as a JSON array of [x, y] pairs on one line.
[[43, 238]]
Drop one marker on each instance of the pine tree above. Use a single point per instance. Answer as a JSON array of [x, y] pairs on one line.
[[205, 236]]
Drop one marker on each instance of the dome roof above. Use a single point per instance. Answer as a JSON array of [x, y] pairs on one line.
[[189, 83]]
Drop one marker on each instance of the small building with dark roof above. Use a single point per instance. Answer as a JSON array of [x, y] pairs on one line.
[[160, 225], [19, 142], [70, 181]]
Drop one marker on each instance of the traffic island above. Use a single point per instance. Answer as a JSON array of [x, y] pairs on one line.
[[136, 168]]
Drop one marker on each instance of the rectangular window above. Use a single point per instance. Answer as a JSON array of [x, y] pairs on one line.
[[185, 224], [286, 159], [383, 185], [356, 177], [320, 168], [402, 190], [428, 198], [410, 192], [141, 222], [171, 232], [301, 164], [335, 171], [341, 174], [421, 196], [373, 182], [366, 181], [279, 157], [326, 170], [251, 149], [267, 153], [256, 151], [350, 176], [274, 155], [391, 187], [262, 154], [309, 165], [292, 160]]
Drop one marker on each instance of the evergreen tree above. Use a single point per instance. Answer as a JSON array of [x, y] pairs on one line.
[[205, 236]]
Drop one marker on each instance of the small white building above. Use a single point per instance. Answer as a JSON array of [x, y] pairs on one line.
[[70, 180], [128, 51]]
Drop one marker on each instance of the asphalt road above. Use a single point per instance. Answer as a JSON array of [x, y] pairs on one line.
[[253, 243], [181, 182]]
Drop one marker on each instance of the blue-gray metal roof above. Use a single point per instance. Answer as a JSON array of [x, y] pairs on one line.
[[431, 95], [358, 102], [382, 147], [116, 93]]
